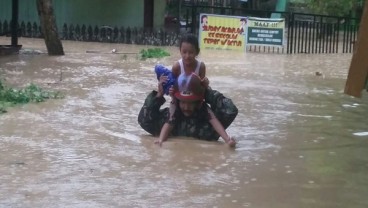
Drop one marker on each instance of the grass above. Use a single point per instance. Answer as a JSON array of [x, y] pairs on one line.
[[153, 53], [32, 93]]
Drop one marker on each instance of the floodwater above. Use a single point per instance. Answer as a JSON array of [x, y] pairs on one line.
[[302, 143]]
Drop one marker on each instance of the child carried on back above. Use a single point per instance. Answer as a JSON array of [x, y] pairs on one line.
[[181, 73]]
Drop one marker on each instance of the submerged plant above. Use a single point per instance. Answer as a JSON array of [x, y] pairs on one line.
[[31, 93], [153, 53]]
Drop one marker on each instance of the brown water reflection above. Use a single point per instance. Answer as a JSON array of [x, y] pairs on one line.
[[302, 142]]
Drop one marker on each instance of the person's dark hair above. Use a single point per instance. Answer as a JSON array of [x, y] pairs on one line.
[[191, 39], [204, 16]]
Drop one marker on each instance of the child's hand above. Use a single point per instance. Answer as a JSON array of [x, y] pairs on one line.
[[205, 82]]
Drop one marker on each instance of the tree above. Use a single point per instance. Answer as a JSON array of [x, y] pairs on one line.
[[332, 7], [358, 71], [49, 28]]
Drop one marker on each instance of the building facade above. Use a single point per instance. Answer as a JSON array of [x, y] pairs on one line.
[[113, 13]]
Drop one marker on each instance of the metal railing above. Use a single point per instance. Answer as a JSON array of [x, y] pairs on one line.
[[305, 33], [321, 34], [108, 34]]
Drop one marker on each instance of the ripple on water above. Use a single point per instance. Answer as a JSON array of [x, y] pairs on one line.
[[86, 148], [361, 133]]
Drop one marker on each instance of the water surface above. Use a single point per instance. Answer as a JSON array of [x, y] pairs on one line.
[[301, 141]]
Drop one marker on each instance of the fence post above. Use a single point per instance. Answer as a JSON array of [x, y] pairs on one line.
[[290, 33], [194, 21], [14, 23]]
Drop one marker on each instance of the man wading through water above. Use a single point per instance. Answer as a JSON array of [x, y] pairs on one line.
[[192, 117]]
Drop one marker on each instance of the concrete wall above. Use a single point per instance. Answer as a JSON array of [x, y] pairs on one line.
[[126, 13]]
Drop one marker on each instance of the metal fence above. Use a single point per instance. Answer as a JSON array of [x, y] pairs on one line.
[[159, 37], [305, 33], [321, 34]]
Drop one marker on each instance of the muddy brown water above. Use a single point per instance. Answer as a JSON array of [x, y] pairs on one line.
[[301, 141]]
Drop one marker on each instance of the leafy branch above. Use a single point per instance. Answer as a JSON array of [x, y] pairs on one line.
[[32, 93]]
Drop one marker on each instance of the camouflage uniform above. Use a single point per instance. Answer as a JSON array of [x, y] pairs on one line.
[[151, 117]]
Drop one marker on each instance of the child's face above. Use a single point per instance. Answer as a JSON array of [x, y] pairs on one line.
[[204, 20], [188, 53]]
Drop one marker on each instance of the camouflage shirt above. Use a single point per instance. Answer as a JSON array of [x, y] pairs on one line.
[[151, 118]]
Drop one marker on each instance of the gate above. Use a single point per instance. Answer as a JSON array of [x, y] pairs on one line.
[[309, 33]]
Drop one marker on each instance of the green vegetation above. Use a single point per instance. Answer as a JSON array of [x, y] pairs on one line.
[[32, 93], [335, 7], [153, 53]]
